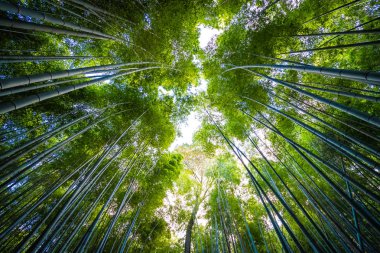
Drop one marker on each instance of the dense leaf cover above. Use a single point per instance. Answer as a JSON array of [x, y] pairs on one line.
[[287, 157]]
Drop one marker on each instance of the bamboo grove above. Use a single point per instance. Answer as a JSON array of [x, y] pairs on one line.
[[92, 94]]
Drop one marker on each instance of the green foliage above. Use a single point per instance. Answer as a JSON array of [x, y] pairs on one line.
[[90, 169]]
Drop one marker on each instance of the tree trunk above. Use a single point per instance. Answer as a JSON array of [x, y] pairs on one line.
[[17, 90], [349, 137], [338, 33], [259, 189], [73, 13], [357, 26], [338, 146], [330, 11], [364, 212], [319, 159], [22, 102], [335, 118], [190, 225], [128, 232], [359, 44], [29, 79], [360, 115], [94, 9], [35, 14], [42, 137], [355, 219], [342, 73], [127, 195], [45, 28], [326, 241], [20, 58], [341, 93]]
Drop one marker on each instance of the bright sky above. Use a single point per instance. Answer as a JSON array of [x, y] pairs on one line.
[[188, 128], [206, 34]]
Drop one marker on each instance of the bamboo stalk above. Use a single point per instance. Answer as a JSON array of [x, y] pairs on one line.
[[372, 31], [368, 216], [45, 28], [20, 103], [359, 186], [340, 93], [343, 73], [29, 79], [349, 137], [360, 115], [6, 59], [326, 241], [19, 10], [359, 44], [17, 90], [295, 218], [338, 145], [331, 11]]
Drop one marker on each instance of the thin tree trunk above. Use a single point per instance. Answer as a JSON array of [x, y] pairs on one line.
[[238, 154], [357, 26], [325, 238], [342, 73], [114, 218], [43, 137], [13, 91], [85, 191], [322, 207], [86, 185], [340, 87], [252, 243], [45, 28], [83, 244], [27, 80], [359, 44], [36, 204], [20, 58], [279, 59], [314, 246], [338, 146], [326, 241], [337, 119], [19, 10], [330, 11], [45, 154], [355, 219], [95, 9], [73, 13], [82, 191], [259, 185], [319, 159], [373, 31], [341, 93], [368, 216], [81, 221], [360, 115], [224, 229], [347, 136], [20, 103], [128, 232], [24, 242], [190, 225]]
